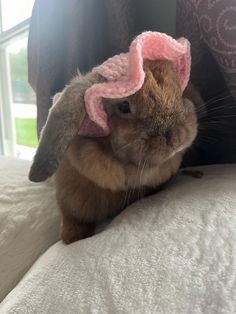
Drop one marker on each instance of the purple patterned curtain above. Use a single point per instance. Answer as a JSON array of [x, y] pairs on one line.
[[211, 27]]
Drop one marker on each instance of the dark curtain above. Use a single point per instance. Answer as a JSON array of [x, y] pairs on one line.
[[66, 35], [70, 35]]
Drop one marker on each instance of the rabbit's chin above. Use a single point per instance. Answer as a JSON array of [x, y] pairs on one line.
[[156, 159]]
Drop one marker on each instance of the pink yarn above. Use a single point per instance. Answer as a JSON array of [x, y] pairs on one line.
[[125, 75]]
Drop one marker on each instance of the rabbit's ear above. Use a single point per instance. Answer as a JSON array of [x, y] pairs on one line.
[[63, 123]]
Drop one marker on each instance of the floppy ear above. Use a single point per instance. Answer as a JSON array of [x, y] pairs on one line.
[[62, 125]]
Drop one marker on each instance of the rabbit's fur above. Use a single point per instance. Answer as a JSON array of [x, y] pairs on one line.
[[96, 178]]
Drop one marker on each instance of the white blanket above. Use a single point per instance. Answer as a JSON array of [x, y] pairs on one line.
[[174, 252], [29, 221]]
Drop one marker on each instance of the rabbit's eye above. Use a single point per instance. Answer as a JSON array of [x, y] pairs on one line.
[[124, 107]]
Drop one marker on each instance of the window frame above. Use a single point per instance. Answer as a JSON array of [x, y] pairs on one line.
[[7, 129]]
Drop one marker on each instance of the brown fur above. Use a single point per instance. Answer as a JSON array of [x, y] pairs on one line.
[[97, 178]]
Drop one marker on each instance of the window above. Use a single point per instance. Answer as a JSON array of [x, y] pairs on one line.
[[15, 12], [17, 99]]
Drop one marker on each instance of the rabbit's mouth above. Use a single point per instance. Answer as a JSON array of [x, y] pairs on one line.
[[157, 150]]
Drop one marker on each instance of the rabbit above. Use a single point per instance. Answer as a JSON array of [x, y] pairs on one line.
[[97, 178]]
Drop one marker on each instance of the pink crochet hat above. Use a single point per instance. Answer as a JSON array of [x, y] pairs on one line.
[[125, 75]]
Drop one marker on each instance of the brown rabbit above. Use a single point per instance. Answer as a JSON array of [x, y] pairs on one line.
[[96, 178]]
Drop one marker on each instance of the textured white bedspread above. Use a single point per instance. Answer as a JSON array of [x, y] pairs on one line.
[[174, 252], [29, 221]]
